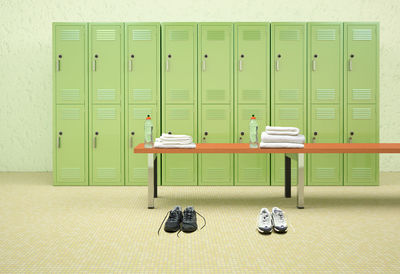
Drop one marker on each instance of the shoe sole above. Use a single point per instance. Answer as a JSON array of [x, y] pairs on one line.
[[172, 230], [264, 232], [280, 231]]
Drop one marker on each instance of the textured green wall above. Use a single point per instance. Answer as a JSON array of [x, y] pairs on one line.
[[25, 57]]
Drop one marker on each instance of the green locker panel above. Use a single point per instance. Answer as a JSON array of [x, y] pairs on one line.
[[215, 63], [106, 146], [70, 63], [142, 62], [71, 145], [251, 169], [106, 63], [136, 164], [288, 63]]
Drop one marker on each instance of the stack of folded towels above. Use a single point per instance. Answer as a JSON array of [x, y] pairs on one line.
[[282, 137], [174, 141]]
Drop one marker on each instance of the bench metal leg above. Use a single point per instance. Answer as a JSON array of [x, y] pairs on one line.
[[300, 181], [155, 176], [152, 179], [288, 176]]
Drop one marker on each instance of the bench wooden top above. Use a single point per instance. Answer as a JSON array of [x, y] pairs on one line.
[[308, 148]]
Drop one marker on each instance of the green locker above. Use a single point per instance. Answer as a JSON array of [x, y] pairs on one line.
[[361, 90], [216, 100], [142, 96], [70, 103], [325, 101], [252, 46], [288, 86], [179, 111]]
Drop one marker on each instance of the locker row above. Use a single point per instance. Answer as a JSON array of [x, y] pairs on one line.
[[206, 80]]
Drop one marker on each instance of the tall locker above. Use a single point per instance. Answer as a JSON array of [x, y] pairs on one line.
[[325, 101], [361, 90], [70, 103], [288, 86], [142, 96], [215, 78], [106, 95], [251, 97], [179, 93]]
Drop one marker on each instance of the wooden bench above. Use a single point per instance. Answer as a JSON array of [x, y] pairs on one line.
[[295, 154]]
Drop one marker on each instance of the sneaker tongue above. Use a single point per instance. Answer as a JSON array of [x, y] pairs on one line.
[[190, 208], [177, 208]]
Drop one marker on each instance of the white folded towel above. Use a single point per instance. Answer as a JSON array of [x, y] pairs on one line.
[[280, 145], [282, 130], [267, 138], [159, 144], [175, 142], [172, 136]]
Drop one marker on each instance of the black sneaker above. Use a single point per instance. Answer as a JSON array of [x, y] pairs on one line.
[[189, 223], [173, 223]]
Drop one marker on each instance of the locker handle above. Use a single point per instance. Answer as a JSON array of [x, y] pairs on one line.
[[240, 139], [131, 142], [130, 64], [351, 137], [167, 65], [204, 65], [277, 65], [94, 142], [314, 139], [240, 65], [314, 65], [94, 65], [58, 141], [350, 65], [58, 64]]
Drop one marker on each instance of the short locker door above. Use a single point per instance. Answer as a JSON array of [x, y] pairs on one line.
[[251, 169], [106, 67], [71, 145], [142, 63], [70, 63], [216, 126], [106, 146], [137, 163], [180, 169]]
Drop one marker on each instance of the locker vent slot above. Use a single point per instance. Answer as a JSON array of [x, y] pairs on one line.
[[106, 94], [215, 35], [362, 113], [71, 173], [70, 95], [105, 35], [289, 95], [252, 94], [179, 174], [361, 94], [289, 35], [251, 35], [325, 113], [288, 114], [361, 173], [140, 173], [325, 173], [362, 34], [142, 94], [70, 35], [216, 174], [215, 114], [326, 94], [326, 35], [71, 114], [215, 95], [259, 113], [178, 95], [179, 114], [106, 173], [178, 35], [252, 174], [141, 35], [141, 113], [106, 114]]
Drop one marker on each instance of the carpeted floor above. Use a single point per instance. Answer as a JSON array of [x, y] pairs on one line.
[[109, 229]]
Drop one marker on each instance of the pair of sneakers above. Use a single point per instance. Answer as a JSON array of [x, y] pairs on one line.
[[274, 220], [186, 221]]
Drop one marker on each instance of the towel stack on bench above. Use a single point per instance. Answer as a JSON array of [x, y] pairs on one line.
[[282, 137], [174, 141]]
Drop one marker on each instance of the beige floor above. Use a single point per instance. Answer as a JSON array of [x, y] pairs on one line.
[[109, 229]]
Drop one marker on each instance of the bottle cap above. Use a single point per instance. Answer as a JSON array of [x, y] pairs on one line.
[[148, 117], [253, 117]]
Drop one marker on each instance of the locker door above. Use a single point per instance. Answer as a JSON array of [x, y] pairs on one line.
[[325, 127], [71, 145], [216, 127], [362, 169], [106, 67], [361, 63], [251, 169], [137, 163], [216, 58], [70, 63], [288, 60], [142, 62], [106, 146], [180, 169]]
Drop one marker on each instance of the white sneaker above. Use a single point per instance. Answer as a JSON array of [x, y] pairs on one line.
[[264, 224], [280, 224]]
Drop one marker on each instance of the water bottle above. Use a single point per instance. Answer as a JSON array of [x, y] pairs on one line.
[[148, 132], [253, 132]]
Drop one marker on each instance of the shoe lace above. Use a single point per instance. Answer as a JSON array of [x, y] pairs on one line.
[[172, 216], [189, 214]]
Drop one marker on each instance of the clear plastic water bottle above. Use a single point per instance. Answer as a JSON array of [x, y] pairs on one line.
[[148, 132], [253, 132]]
